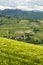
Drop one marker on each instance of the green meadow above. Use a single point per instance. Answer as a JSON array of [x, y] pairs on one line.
[[20, 53]]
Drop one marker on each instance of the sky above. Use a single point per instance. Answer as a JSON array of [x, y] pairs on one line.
[[29, 5]]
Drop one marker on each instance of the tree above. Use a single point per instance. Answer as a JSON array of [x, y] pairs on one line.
[[35, 30], [41, 40], [1, 21]]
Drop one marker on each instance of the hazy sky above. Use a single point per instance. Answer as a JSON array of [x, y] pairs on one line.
[[22, 4]]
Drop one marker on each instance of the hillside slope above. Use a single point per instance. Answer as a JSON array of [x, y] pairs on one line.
[[20, 53], [16, 28]]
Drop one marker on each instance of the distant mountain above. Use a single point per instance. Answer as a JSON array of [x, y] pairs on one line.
[[22, 14]]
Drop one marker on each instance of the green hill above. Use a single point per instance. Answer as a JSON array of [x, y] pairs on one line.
[[30, 30], [19, 53]]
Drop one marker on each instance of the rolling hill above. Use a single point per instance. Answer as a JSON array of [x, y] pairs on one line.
[[27, 30], [22, 14], [19, 53]]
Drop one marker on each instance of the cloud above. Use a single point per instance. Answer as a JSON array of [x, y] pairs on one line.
[[30, 8], [22, 4], [40, 8], [5, 7], [26, 8]]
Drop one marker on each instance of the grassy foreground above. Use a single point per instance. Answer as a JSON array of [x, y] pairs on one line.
[[19, 53]]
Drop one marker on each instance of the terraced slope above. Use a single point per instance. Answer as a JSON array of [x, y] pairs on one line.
[[15, 28], [19, 53]]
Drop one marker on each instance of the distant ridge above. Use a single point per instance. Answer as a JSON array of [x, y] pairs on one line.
[[22, 14]]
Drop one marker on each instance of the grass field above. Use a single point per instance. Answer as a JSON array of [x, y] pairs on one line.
[[19, 53], [18, 27]]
